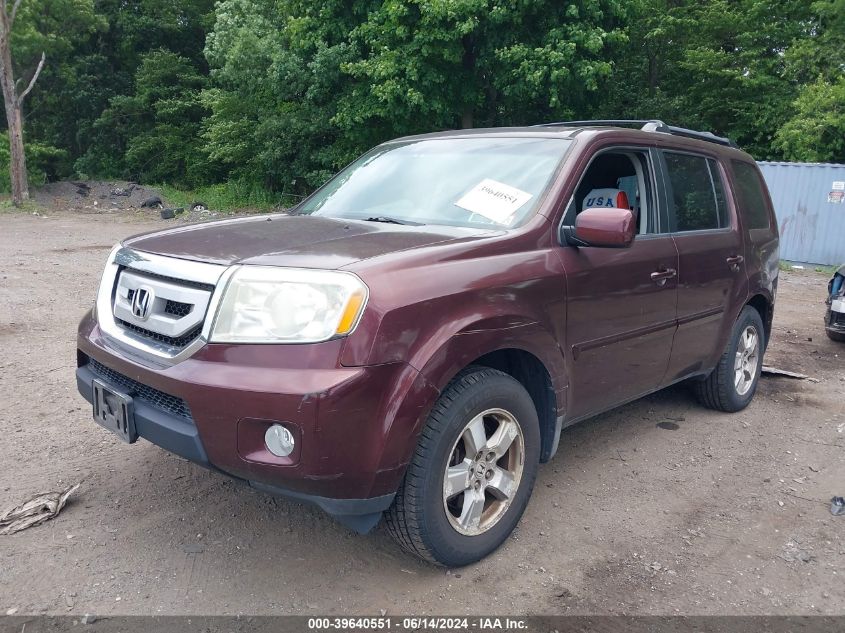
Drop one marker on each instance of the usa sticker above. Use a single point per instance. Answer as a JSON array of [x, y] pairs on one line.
[[494, 200]]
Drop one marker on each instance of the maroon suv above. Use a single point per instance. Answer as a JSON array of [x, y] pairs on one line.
[[412, 338]]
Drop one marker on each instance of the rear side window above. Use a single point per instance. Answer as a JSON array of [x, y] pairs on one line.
[[695, 192], [749, 190]]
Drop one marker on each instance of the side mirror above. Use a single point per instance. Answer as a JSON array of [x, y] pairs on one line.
[[606, 227]]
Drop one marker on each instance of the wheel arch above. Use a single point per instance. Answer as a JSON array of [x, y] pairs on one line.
[[528, 353], [765, 308], [516, 345], [532, 374]]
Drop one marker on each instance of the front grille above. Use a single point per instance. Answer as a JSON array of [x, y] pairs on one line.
[[179, 342], [153, 397], [177, 308], [181, 282]]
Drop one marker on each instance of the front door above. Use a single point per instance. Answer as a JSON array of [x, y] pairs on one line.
[[621, 303]]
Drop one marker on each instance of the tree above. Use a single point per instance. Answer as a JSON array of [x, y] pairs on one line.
[[95, 59], [467, 63], [156, 130], [29, 33], [13, 100], [300, 88], [815, 128], [718, 65], [279, 94], [820, 52], [277, 74], [816, 131]]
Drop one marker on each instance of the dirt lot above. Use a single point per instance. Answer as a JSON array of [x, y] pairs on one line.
[[725, 514]]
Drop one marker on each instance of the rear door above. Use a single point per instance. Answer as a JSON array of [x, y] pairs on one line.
[[711, 268]]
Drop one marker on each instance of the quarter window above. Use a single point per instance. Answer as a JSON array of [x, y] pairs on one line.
[[749, 190], [696, 193]]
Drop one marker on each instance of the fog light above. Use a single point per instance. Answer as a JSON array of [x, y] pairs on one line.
[[279, 440]]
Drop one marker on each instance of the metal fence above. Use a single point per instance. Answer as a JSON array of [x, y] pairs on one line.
[[809, 201]]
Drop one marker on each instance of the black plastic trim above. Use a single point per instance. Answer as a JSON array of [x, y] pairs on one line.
[[178, 436], [168, 431], [360, 515]]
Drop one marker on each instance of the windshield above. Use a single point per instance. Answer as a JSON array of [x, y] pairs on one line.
[[491, 182]]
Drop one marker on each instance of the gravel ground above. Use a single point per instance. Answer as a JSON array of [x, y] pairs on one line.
[[659, 507]]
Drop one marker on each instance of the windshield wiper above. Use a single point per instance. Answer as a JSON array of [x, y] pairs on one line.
[[388, 220]]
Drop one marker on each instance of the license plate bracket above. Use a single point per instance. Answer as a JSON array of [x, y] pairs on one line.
[[114, 411]]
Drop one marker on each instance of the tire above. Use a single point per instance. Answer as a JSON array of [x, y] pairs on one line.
[[719, 390], [839, 337], [419, 519]]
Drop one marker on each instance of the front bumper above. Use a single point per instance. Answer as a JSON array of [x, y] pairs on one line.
[[835, 318], [341, 417]]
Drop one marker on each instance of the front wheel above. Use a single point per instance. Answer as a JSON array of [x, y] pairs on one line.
[[732, 384], [839, 337], [471, 475]]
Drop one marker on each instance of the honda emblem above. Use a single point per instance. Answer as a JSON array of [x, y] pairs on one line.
[[142, 302]]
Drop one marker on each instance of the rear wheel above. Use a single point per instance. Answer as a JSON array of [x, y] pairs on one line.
[[472, 472], [732, 384]]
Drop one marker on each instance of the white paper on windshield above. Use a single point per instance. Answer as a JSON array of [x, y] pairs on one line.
[[494, 200]]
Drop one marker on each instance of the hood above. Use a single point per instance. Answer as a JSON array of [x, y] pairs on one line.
[[283, 240]]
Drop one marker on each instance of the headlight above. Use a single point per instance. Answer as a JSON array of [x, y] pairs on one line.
[[288, 305]]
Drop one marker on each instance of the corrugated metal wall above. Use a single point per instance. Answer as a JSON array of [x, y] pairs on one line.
[[811, 222]]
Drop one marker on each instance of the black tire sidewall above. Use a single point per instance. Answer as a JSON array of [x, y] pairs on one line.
[[494, 391], [749, 316]]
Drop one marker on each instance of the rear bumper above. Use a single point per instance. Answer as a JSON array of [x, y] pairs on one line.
[[342, 418]]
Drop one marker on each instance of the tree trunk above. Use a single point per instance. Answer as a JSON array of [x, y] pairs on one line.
[[17, 160], [13, 104], [468, 64], [466, 117]]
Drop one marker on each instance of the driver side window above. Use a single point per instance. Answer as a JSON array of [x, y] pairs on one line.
[[616, 178]]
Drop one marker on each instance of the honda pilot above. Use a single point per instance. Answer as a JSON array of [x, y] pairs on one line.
[[411, 340]]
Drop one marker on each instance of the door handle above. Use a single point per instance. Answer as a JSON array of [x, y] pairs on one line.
[[735, 261], [661, 276]]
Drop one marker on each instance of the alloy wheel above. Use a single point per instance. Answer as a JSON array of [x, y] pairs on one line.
[[747, 358], [483, 471]]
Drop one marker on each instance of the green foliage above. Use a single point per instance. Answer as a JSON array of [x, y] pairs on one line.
[[820, 53], [816, 131], [44, 163], [717, 65], [276, 70], [227, 196], [461, 63], [157, 127], [299, 91], [102, 56], [272, 97]]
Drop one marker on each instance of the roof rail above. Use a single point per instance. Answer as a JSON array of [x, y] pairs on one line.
[[647, 125]]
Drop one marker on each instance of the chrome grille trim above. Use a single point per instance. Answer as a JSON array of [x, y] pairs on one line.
[[159, 321], [169, 267], [200, 275]]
